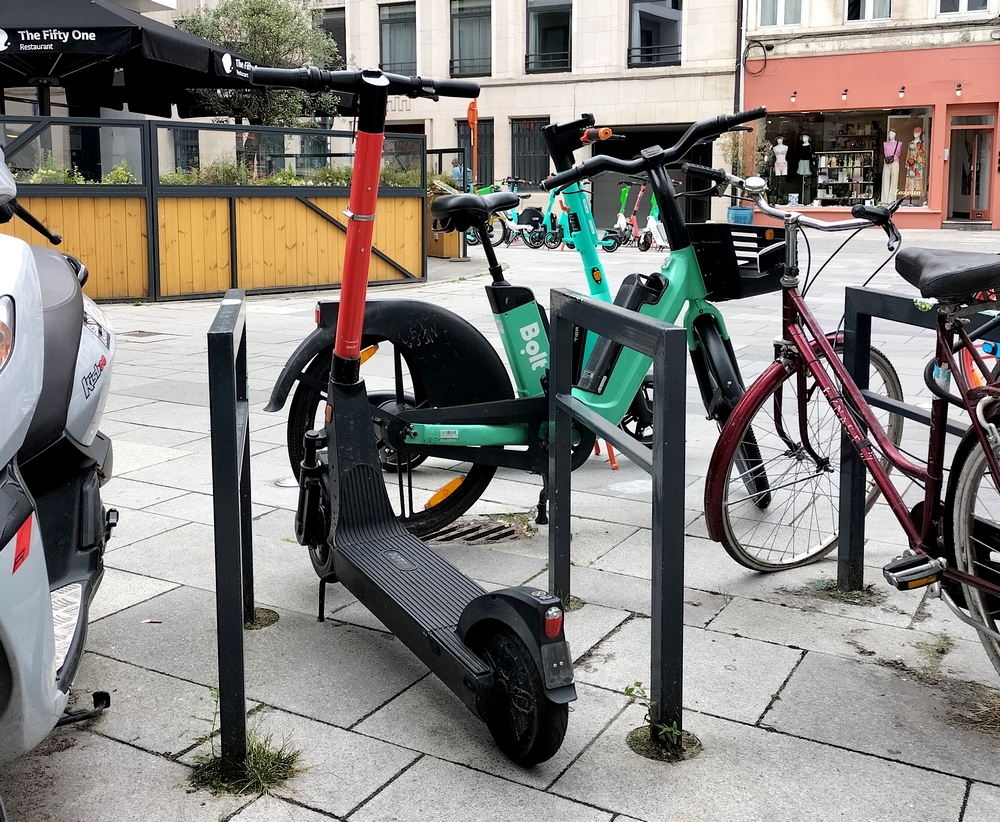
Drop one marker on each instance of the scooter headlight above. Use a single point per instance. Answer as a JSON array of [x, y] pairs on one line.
[[6, 330], [94, 319]]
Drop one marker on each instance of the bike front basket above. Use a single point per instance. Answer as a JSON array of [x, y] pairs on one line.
[[738, 261]]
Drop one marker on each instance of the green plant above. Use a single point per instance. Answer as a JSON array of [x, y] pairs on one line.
[[282, 177], [659, 731], [266, 765], [399, 178], [333, 176], [49, 172], [120, 175], [179, 177], [223, 172]]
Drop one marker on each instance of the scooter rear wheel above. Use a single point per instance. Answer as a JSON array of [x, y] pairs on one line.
[[534, 239], [645, 241], [458, 484], [552, 240], [527, 726], [610, 242]]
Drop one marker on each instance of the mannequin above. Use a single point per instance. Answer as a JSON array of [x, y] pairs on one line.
[[916, 157], [779, 155], [891, 150], [804, 161]]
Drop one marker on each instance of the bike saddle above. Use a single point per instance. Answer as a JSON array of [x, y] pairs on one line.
[[943, 273], [459, 212]]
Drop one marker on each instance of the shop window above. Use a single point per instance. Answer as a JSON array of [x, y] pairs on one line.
[[845, 158], [781, 12], [654, 33], [185, 148], [962, 6], [548, 47], [398, 38], [529, 160], [869, 9], [334, 23], [484, 158], [470, 38]]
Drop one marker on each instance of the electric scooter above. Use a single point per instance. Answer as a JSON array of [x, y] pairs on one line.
[[504, 653], [652, 234], [56, 354]]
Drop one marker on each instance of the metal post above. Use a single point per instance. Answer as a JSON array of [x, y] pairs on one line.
[[229, 414], [560, 458]]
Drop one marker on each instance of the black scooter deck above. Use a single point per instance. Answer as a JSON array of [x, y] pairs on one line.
[[415, 593]]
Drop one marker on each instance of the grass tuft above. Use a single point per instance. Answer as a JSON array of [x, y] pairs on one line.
[[266, 767]]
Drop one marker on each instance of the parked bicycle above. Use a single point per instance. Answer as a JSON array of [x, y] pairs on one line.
[[954, 532], [453, 412]]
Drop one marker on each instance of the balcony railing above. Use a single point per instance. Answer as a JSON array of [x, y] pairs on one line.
[[547, 62], [470, 66], [645, 56]]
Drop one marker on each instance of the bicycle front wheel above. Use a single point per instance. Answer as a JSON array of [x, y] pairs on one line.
[[496, 231], [798, 436], [973, 514]]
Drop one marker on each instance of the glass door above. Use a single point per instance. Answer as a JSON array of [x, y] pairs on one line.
[[969, 176]]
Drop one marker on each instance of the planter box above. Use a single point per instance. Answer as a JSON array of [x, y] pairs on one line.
[[739, 215]]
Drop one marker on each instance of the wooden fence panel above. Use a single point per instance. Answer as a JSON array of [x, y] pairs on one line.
[[107, 233], [194, 245]]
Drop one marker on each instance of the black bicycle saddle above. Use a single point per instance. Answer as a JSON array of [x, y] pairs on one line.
[[459, 212], [943, 273]]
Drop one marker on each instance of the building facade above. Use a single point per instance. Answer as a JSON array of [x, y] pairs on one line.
[[879, 100]]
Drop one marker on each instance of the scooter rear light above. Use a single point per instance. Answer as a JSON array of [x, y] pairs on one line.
[[316, 314], [6, 330], [553, 622]]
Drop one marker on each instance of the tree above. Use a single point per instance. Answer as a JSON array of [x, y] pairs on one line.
[[279, 33]]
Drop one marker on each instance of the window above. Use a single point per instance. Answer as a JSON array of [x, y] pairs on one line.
[[529, 160], [782, 12], [470, 38], [869, 9], [654, 33], [185, 148], [484, 153], [398, 38], [959, 6], [548, 47], [334, 23]]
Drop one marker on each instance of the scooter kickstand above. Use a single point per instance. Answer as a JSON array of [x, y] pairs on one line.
[[321, 616], [542, 517]]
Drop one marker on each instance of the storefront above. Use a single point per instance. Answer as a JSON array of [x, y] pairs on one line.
[[919, 126]]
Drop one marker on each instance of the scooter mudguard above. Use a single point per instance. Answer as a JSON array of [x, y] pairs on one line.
[[452, 357], [522, 609]]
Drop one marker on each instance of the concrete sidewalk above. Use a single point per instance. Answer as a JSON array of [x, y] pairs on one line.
[[808, 708]]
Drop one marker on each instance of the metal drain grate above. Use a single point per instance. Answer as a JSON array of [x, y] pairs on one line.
[[481, 531], [141, 334]]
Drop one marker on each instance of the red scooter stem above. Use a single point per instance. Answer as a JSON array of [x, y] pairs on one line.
[[360, 226]]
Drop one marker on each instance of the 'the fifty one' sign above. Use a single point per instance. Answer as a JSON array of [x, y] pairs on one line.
[[86, 41]]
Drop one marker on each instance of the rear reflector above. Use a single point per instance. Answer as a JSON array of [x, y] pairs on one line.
[[22, 544], [553, 622]]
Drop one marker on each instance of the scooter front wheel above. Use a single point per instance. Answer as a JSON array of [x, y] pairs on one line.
[[645, 241], [526, 725], [534, 239], [610, 242], [552, 240]]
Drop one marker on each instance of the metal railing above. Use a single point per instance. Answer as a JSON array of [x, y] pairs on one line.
[[539, 63], [667, 345], [665, 55]]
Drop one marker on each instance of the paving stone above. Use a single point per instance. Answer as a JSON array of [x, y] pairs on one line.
[[723, 675], [120, 590], [983, 803], [128, 493], [200, 508], [752, 775], [76, 776], [135, 525], [588, 625], [901, 719], [165, 415], [470, 795], [430, 719], [271, 809]]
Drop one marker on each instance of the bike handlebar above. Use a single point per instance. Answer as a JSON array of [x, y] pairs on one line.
[[863, 215], [654, 156], [311, 78]]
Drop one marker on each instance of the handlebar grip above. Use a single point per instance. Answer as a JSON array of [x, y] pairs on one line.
[[716, 174], [727, 121], [593, 135], [34, 222], [879, 215], [309, 78], [453, 88]]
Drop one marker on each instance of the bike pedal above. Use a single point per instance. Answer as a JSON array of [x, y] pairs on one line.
[[912, 570]]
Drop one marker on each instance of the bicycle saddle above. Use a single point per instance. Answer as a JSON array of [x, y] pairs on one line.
[[459, 212], [943, 273]]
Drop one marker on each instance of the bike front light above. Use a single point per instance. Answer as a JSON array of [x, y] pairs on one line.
[[96, 321], [6, 330]]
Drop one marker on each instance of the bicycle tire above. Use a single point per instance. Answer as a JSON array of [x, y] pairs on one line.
[[526, 725], [471, 237], [496, 231], [307, 402], [534, 239], [552, 240], [638, 419], [972, 533], [799, 524]]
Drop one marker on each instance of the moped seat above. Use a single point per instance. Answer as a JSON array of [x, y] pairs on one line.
[[459, 212], [62, 313], [944, 274]]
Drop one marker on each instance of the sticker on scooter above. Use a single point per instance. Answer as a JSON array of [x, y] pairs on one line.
[[90, 380], [533, 350]]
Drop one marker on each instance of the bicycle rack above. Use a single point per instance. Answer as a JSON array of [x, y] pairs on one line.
[[667, 345], [860, 305], [230, 430]]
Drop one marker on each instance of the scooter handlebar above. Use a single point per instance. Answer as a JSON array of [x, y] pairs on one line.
[[654, 156], [311, 78]]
